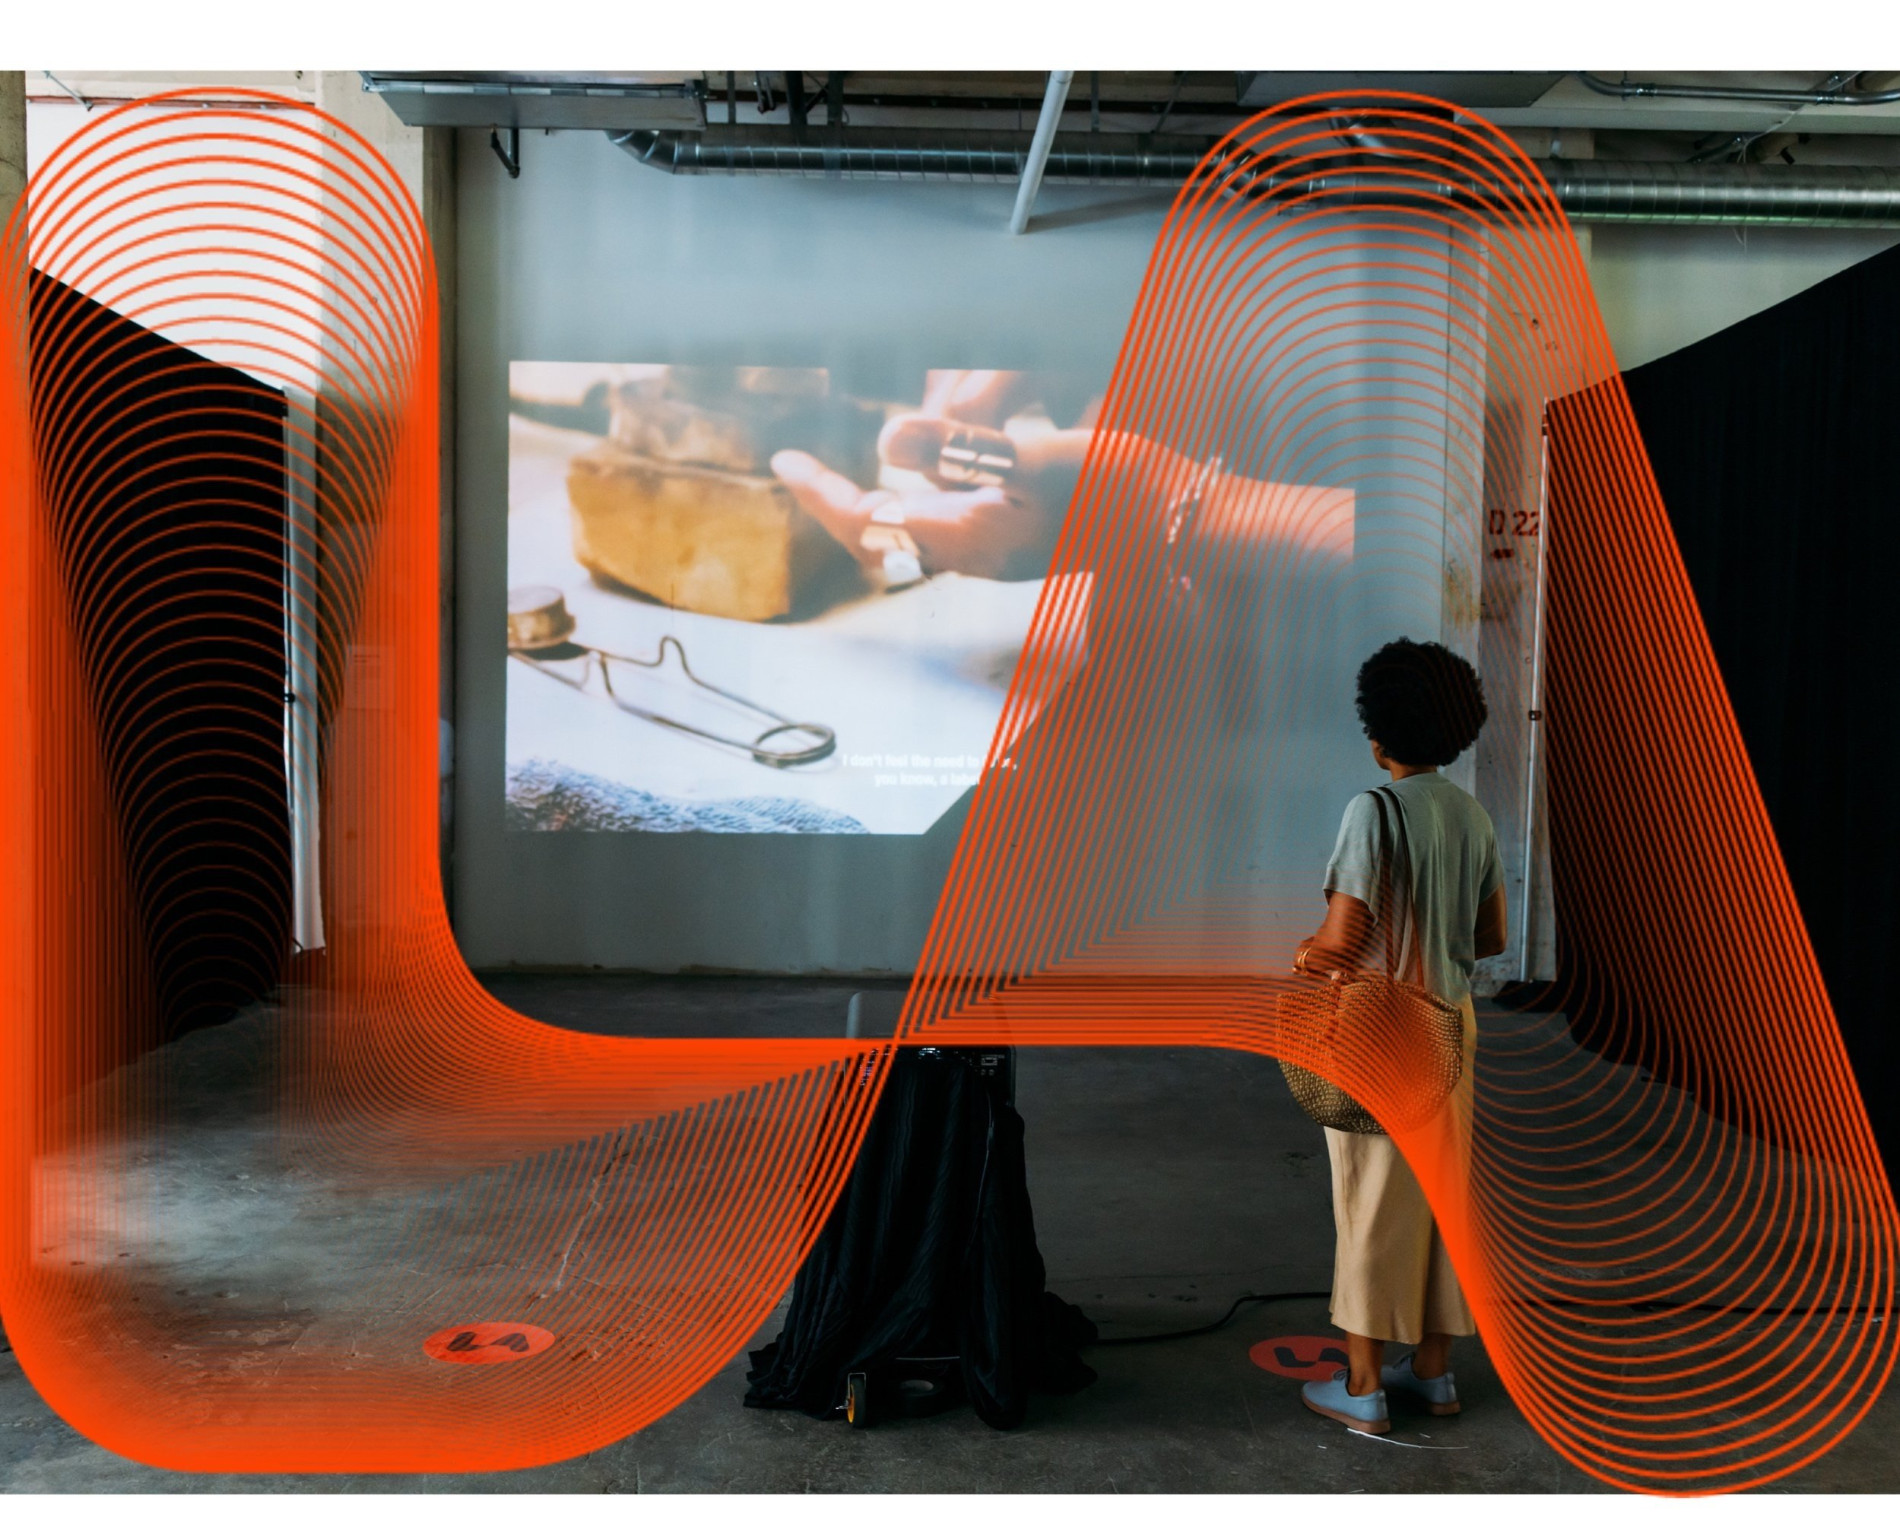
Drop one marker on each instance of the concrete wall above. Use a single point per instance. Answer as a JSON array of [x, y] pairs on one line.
[[589, 256]]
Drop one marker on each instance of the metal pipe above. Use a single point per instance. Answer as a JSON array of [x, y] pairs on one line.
[[1814, 195], [1533, 767], [1589, 190], [982, 157], [1053, 100], [1646, 91]]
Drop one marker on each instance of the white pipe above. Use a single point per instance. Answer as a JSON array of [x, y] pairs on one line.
[[1052, 102], [1534, 760]]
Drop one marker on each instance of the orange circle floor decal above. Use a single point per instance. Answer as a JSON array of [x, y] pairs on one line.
[[491, 1341], [1310, 1358]]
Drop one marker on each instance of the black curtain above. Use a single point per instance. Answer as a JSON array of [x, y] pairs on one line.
[[166, 489], [1776, 444]]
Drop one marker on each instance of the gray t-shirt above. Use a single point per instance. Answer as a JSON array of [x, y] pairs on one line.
[[1455, 867]]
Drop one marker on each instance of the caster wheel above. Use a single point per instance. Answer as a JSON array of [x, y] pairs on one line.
[[857, 1400]]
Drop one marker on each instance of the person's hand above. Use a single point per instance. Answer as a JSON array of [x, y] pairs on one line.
[[982, 396], [1311, 958], [1003, 529], [1000, 532], [1006, 528]]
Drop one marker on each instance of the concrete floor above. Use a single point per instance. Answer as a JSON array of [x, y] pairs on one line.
[[1166, 1183]]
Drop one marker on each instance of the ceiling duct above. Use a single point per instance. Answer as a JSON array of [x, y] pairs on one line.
[[1813, 195], [554, 101], [1589, 190], [895, 153]]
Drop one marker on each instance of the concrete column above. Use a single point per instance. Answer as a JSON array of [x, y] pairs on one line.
[[438, 215], [12, 187], [424, 159], [341, 94], [12, 140], [1510, 754]]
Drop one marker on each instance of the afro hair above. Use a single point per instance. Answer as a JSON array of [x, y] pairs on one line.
[[1420, 703]]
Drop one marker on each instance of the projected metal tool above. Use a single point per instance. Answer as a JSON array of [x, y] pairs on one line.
[[541, 635]]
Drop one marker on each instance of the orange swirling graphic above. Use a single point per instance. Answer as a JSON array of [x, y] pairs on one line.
[[1356, 317]]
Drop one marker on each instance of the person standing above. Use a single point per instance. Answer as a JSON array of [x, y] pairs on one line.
[[1422, 706]]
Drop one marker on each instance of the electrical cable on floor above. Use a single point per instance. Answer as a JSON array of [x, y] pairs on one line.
[[1274, 1298], [1175, 1335]]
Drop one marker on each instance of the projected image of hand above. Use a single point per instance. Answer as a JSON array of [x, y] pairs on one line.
[[998, 532], [982, 396], [994, 494], [996, 475]]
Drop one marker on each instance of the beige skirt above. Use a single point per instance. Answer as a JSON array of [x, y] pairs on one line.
[[1392, 1278]]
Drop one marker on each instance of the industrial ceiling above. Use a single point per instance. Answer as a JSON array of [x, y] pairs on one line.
[[1788, 148], [1796, 148], [1657, 116]]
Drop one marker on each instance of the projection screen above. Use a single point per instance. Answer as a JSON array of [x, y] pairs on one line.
[[747, 600]]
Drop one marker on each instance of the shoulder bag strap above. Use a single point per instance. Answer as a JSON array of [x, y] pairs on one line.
[[1384, 889], [1402, 873]]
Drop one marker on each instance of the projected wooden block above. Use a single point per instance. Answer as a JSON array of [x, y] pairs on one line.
[[738, 418], [694, 537]]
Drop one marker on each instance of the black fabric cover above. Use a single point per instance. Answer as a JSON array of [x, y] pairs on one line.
[[1776, 445], [165, 486], [930, 1251]]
